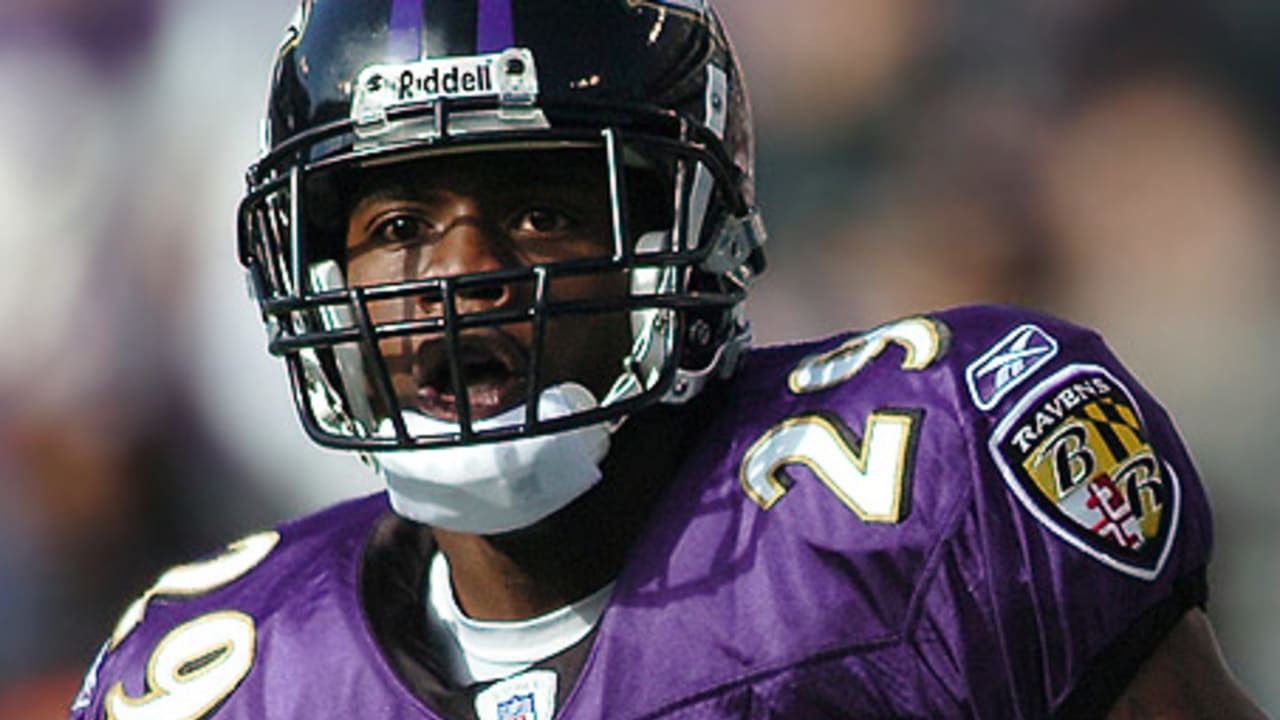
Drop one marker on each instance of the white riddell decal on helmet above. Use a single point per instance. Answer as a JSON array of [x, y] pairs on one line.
[[509, 76]]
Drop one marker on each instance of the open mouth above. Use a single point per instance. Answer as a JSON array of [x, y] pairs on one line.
[[494, 375]]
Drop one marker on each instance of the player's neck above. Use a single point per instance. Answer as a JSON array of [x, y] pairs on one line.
[[579, 549], [498, 580]]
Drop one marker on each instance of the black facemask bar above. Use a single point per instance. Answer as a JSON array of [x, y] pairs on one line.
[[314, 328]]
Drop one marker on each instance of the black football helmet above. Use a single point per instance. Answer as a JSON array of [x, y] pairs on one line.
[[652, 86]]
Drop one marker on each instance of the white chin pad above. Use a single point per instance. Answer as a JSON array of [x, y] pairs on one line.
[[502, 486]]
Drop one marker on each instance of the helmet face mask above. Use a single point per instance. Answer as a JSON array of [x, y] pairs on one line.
[[642, 309]]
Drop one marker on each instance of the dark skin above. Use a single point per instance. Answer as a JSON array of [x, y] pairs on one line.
[[454, 217], [580, 548], [1185, 677], [450, 217]]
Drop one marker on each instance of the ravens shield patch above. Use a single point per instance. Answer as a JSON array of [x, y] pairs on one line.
[[1075, 452]]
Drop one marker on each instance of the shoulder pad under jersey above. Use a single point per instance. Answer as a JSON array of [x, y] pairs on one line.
[[220, 635], [982, 500]]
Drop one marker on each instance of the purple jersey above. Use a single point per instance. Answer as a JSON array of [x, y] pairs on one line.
[[977, 513]]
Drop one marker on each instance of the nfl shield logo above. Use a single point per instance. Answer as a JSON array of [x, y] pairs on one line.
[[530, 695], [520, 707]]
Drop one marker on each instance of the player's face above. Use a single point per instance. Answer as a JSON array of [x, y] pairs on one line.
[[451, 216]]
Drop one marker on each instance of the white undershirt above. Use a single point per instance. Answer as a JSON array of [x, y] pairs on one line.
[[484, 650]]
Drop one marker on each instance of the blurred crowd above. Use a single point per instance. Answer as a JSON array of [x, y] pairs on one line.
[[1112, 161]]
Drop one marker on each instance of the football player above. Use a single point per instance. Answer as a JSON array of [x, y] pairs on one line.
[[503, 247]]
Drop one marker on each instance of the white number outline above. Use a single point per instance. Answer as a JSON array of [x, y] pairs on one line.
[[873, 484], [220, 637], [922, 338], [226, 642], [199, 577], [872, 474]]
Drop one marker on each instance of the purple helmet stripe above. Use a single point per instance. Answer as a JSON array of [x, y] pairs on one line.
[[404, 36], [493, 25]]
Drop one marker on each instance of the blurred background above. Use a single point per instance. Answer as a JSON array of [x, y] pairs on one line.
[[1113, 161]]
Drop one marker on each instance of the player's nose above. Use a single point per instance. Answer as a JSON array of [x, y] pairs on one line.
[[471, 243]]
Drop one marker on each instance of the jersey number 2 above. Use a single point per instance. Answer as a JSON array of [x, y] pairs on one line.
[[868, 474]]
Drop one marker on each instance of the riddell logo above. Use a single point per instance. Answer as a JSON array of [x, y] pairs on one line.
[[510, 77], [436, 82]]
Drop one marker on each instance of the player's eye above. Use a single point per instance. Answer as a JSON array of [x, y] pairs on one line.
[[541, 221], [401, 230]]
